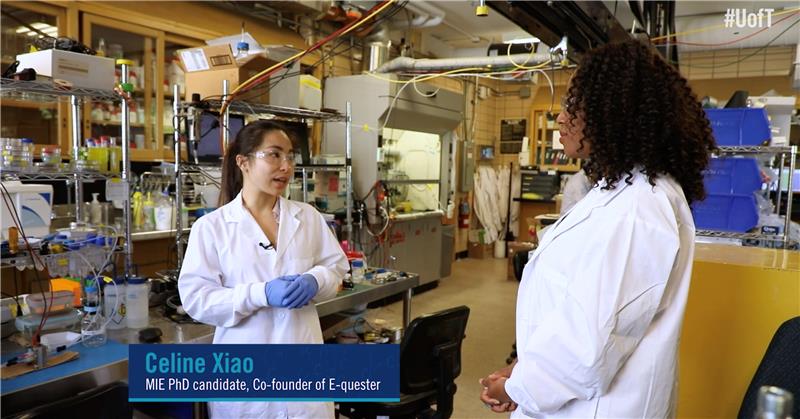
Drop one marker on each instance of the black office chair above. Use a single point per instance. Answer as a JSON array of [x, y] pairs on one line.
[[780, 367], [430, 360], [107, 401]]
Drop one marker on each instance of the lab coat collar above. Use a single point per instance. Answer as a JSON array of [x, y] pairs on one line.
[[287, 225], [579, 212]]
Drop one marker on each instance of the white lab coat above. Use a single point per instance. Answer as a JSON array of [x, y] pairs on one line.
[[222, 284], [600, 306]]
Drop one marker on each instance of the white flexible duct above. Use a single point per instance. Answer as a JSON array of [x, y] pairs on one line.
[[487, 196], [428, 64], [503, 200]]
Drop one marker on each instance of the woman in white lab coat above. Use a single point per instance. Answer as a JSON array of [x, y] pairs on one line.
[[601, 302], [254, 267]]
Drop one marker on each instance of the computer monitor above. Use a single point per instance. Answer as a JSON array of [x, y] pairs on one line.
[[209, 147]]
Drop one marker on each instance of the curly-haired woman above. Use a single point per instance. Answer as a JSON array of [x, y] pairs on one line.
[[601, 302]]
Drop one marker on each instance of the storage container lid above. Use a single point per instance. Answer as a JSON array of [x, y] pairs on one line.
[[133, 280], [54, 320]]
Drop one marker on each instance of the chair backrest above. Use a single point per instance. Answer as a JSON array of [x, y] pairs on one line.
[[426, 338], [780, 367]]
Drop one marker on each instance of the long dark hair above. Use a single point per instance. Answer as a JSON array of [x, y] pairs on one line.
[[639, 111], [247, 140]]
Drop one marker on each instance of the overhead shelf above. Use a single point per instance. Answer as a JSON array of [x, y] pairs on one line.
[[321, 167], [84, 176], [246, 108], [740, 236], [755, 150], [41, 91]]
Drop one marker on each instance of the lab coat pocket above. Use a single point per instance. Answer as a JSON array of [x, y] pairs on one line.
[[544, 292]]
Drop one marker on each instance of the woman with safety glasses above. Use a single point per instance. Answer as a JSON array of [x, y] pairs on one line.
[[254, 267]]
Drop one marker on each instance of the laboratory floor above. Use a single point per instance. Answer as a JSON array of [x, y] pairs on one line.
[[481, 285]]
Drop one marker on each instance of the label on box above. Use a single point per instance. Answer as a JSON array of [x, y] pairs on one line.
[[194, 59], [116, 190], [72, 67]]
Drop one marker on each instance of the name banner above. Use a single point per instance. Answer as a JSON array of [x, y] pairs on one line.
[[204, 372]]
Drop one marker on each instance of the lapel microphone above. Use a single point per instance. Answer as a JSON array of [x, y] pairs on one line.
[[266, 246]]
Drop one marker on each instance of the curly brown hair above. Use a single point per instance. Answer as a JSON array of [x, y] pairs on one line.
[[639, 111]]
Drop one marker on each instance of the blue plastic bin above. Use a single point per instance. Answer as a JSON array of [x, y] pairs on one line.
[[734, 213], [740, 126], [732, 175]]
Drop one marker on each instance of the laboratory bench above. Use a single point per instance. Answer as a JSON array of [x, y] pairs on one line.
[[737, 299], [109, 363]]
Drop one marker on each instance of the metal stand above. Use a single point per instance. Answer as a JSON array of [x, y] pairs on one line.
[[75, 108], [176, 136], [191, 112], [126, 175]]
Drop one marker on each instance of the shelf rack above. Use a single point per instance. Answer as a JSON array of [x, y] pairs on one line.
[[190, 112], [783, 152], [76, 96], [48, 92]]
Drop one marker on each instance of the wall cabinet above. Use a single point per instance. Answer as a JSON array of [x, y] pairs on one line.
[[543, 152]]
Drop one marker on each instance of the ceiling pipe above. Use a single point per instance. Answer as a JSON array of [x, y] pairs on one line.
[[442, 64], [436, 17]]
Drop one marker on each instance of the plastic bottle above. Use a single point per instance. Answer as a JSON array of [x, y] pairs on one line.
[[101, 48], [163, 212], [93, 329], [114, 306], [358, 271], [136, 302], [242, 50], [148, 208], [95, 210]]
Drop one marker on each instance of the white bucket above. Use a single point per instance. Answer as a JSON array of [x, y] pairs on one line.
[[500, 249]]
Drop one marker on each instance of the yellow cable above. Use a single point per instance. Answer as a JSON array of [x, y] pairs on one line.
[[520, 66], [711, 28], [371, 15]]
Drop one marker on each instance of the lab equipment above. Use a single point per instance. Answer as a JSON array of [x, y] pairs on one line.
[[61, 300], [774, 403], [95, 210], [136, 302], [114, 309], [33, 204], [93, 328], [357, 271], [163, 212], [305, 289], [51, 155], [62, 321], [16, 154]]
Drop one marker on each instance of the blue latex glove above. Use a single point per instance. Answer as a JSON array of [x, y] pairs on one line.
[[301, 291], [278, 289]]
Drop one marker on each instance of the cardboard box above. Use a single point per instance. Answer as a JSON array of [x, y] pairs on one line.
[[81, 70], [480, 250], [298, 91], [206, 68], [513, 249]]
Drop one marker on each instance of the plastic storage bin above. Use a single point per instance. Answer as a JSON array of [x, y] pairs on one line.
[[732, 175], [740, 126], [69, 320], [62, 300], [732, 213]]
